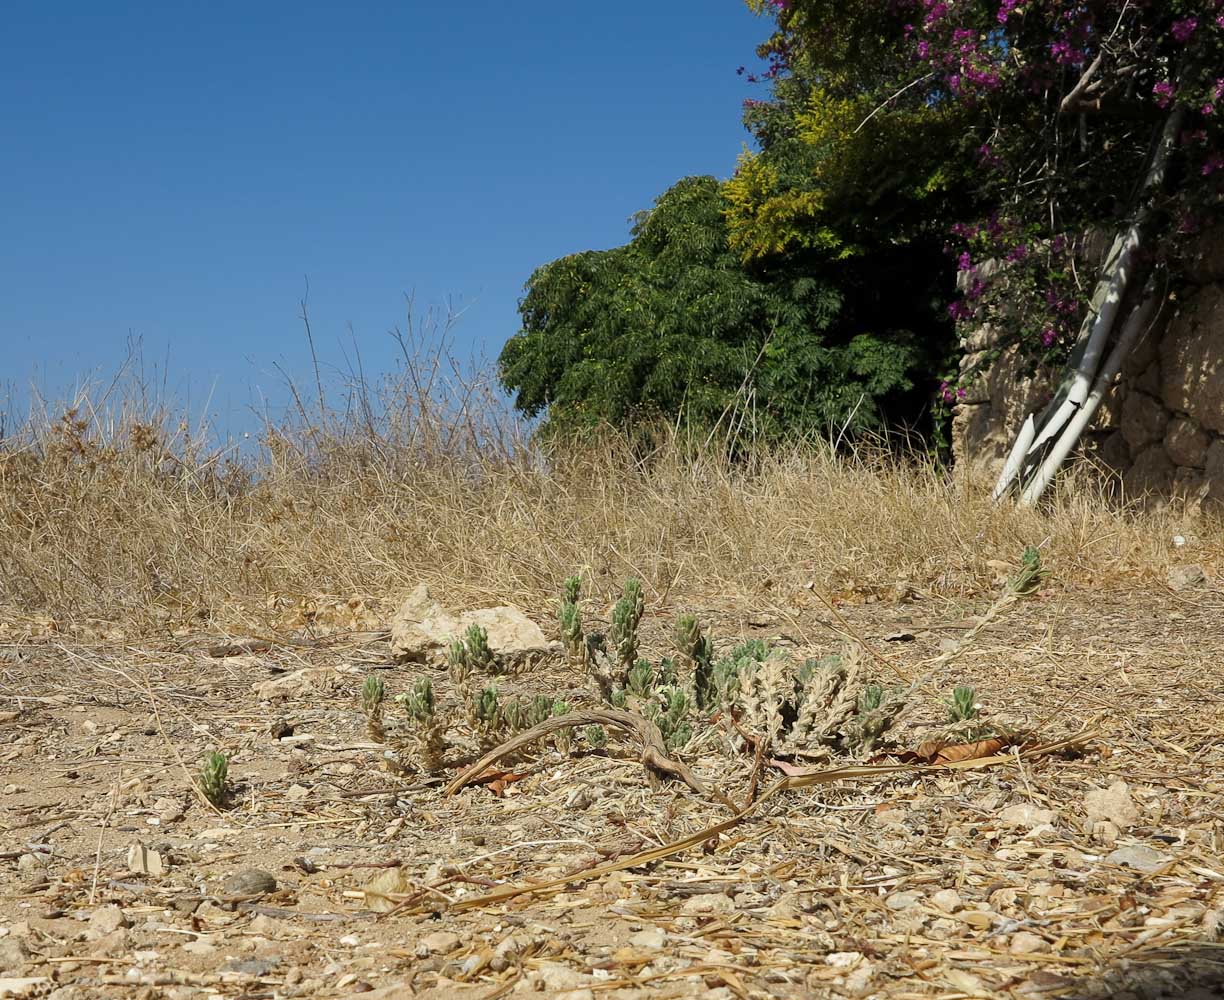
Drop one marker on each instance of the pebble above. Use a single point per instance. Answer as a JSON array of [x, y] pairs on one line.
[[1113, 804], [1026, 942], [902, 900], [947, 900], [708, 902], [105, 920], [437, 943], [652, 938], [1139, 857], [249, 882], [1026, 814]]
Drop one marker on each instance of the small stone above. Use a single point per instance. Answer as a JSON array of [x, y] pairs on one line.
[[28, 863], [168, 810], [105, 920], [947, 900], [651, 938], [1139, 857], [708, 902], [843, 959], [979, 919], [1026, 942], [1113, 804], [437, 943], [350, 940], [902, 900], [1026, 815], [1106, 832], [559, 976], [110, 945], [248, 882], [263, 925], [200, 946], [13, 955], [1186, 577], [251, 966]]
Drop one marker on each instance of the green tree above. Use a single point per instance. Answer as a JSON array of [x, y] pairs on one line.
[[677, 325]]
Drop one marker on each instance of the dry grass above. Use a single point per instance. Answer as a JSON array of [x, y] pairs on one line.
[[118, 514]]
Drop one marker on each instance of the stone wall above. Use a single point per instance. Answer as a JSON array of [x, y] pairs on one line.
[[1160, 431]]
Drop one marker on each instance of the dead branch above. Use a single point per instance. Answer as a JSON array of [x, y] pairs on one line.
[[653, 756]]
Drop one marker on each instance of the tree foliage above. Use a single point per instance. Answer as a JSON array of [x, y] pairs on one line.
[[677, 325], [1050, 112]]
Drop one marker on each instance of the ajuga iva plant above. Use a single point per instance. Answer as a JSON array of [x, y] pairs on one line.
[[427, 731], [514, 715], [571, 620], [696, 652], [562, 738], [606, 673], [724, 677], [1028, 578], [962, 707], [573, 589], [486, 717], [626, 616], [538, 710], [213, 776], [641, 679], [670, 713], [876, 711], [373, 692], [596, 737]]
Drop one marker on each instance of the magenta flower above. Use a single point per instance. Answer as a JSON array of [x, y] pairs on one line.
[[964, 262], [1208, 109], [1183, 29], [1164, 93], [1006, 9], [1213, 163], [1048, 336]]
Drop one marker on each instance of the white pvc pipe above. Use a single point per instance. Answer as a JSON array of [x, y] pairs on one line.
[[1134, 325]]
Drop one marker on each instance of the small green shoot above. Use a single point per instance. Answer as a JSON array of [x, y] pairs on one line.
[[962, 707], [626, 616], [641, 680], [212, 779], [1030, 575], [373, 692]]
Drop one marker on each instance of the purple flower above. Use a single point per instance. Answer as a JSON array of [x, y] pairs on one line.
[[964, 262], [1208, 109], [924, 48], [1006, 9], [961, 394], [1183, 29], [1048, 336], [1018, 252], [1214, 162], [1164, 93]]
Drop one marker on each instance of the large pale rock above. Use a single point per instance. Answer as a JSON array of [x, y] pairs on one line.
[[1186, 443], [1114, 804], [422, 629], [1143, 420], [1151, 475], [1192, 360]]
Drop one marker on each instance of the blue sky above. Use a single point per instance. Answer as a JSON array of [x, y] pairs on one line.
[[177, 172]]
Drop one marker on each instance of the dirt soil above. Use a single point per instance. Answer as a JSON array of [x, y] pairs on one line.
[[1008, 880]]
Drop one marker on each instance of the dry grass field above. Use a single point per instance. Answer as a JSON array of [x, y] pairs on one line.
[[1082, 858]]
